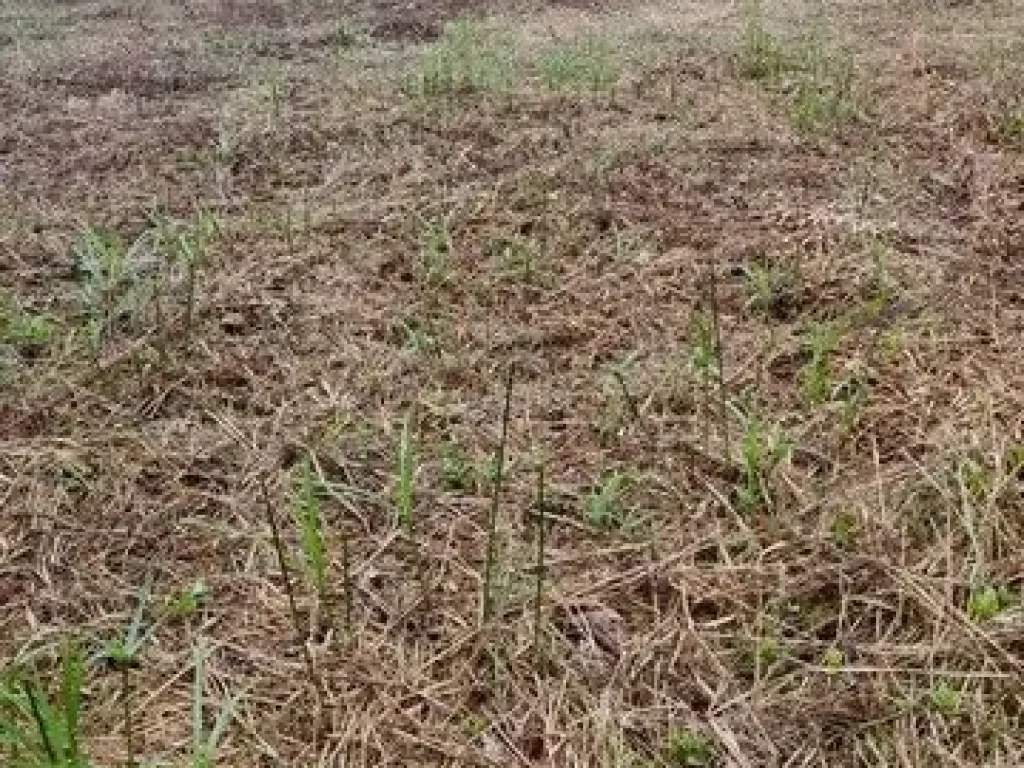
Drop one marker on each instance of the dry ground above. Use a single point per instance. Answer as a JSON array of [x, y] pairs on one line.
[[830, 575]]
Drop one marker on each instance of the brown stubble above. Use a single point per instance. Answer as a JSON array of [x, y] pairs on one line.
[[707, 619]]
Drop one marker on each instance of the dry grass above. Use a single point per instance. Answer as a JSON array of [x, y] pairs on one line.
[[840, 587]]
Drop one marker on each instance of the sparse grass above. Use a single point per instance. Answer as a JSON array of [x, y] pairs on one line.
[[551, 198], [816, 80], [469, 58], [587, 65]]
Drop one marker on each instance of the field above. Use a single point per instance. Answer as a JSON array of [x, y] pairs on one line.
[[477, 383]]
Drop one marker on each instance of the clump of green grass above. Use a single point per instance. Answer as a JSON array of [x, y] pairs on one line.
[[458, 475], [110, 277], [987, 601], [817, 81], [816, 376], [188, 601], [23, 334], [37, 732], [309, 520], [761, 451], [770, 289], [435, 257], [605, 507], [688, 748], [587, 65], [469, 58], [206, 741]]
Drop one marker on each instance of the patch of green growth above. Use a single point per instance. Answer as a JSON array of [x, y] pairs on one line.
[[110, 279], [435, 257], [25, 332], [587, 65], [761, 451], [124, 650], [816, 377], [976, 477], [988, 601], [458, 474], [833, 659], [770, 288], [518, 257], [844, 526], [187, 602], [469, 58], [945, 698], [817, 82], [1008, 122], [605, 507], [308, 513], [415, 337], [690, 749], [39, 732], [206, 739]]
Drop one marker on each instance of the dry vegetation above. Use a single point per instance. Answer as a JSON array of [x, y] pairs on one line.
[[751, 279]]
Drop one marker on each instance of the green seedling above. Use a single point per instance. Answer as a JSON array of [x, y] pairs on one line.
[[945, 698], [769, 289], [205, 743], [190, 600], [308, 514], [435, 258], [987, 602], [36, 732], [519, 259], [123, 651], [816, 376], [605, 508], [761, 452], [690, 749], [26, 332], [457, 473], [416, 338], [844, 525], [977, 479], [833, 659], [109, 280], [584, 66]]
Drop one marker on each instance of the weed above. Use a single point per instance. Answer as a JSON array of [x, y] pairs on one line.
[[27, 333], [457, 473], [761, 453], [435, 258], [843, 528], [205, 743], [816, 376], [833, 659], [817, 82], [309, 519], [605, 507], [36, 732], [109, 279], [690, 749], [584, 66], [945, 698], [467, 59], [987, 601], [770, 289], [762, 56], [416, 338], [190, 600], [519, 258]]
